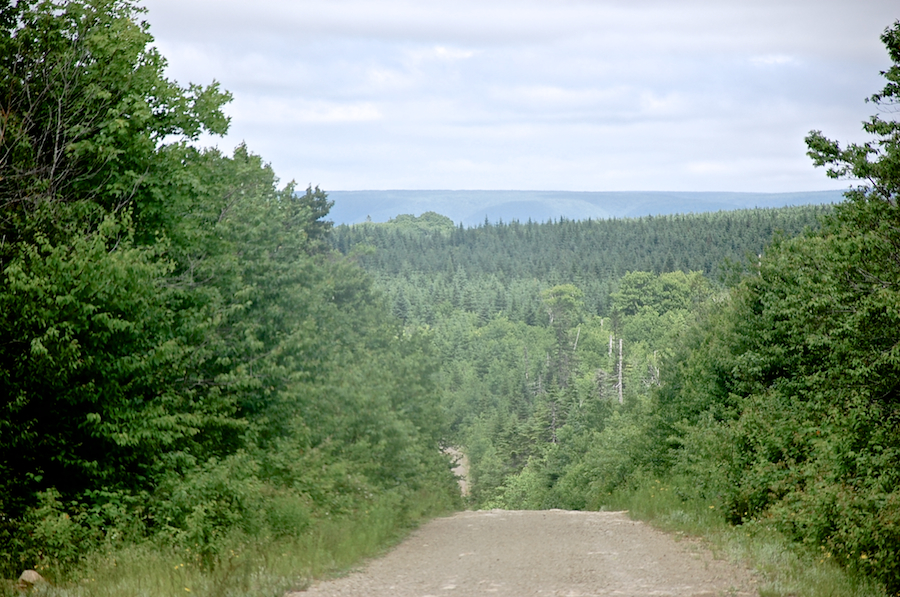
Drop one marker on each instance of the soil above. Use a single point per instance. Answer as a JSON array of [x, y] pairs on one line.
[[460, 469], [550, 552]]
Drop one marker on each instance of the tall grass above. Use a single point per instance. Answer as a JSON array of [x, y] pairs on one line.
[[784, 568], [255, 566]]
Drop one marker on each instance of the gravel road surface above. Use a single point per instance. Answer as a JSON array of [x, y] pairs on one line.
[[551, 552]]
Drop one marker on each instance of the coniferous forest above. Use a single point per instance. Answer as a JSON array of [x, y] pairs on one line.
[[208, 388]]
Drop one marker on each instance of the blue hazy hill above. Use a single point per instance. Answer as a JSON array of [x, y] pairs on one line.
[[472, 207]]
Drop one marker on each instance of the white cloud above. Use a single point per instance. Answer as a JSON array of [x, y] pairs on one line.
[[572, 94], [452, 53], [424, 57], [662, 105], [556, 97], [707, 168], [772, 60], [379, 79], [287, 112]]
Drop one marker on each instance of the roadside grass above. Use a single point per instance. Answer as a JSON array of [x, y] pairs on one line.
[[262, 567], [784, 568]]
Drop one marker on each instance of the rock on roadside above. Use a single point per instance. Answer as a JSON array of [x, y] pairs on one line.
[[30, 578]]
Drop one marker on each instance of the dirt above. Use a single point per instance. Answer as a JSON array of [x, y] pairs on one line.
[[551, 552], [460, 469]]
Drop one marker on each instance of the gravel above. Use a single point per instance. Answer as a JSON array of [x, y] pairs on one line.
[[548, 552]]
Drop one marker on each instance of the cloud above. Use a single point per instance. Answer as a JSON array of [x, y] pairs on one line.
[[504, 94], [708, 168], [285, 112], [451, 54], [379, 78], [773, 60]]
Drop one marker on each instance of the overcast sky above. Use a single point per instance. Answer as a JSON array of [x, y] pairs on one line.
[[593, 95]]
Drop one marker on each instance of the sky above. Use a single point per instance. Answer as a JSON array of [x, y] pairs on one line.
[[579, 95]]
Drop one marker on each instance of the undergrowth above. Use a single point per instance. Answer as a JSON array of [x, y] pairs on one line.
[[784, 568], [252, 566]]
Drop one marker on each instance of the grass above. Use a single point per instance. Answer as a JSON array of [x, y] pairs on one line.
[[272, 567], [258, 567], [784, 568]]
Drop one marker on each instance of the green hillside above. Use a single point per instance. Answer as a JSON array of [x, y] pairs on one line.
[[705, 368], [502, 268], [207, 388], [472, 208]]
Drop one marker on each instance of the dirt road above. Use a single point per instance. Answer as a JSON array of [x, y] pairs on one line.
[[554, 552]]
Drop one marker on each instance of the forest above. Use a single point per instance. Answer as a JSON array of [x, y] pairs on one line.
[[208, 388], [185, 366]]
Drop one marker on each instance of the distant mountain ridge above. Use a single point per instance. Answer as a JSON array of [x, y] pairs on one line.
[[472, 207]]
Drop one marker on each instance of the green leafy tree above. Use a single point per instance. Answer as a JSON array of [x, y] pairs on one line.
[[85, 323], [565, 311], [85, 106], [177, 343], [784, 403]]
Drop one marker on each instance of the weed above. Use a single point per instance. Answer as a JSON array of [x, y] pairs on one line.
[[785, 568]]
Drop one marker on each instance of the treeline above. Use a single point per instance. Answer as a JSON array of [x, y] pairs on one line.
[[182, 359], [527, 321], [765, 392], [536, 352], [427, 264], [784, 401], [186, 363], [557, 250]]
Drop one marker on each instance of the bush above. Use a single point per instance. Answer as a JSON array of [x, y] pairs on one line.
[[51, 536]]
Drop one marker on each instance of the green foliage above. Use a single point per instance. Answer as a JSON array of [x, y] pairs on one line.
[[666, 292], [783, 403], [200, 510], [782, 568], [53, 537], [183, 361], [536, 406], [85, 106], [190, 372], [428, 223], [258, 566], [771, 402], [85, 307], [505, 267]]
